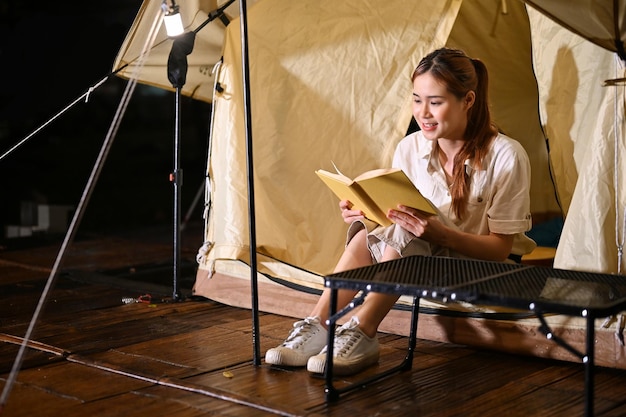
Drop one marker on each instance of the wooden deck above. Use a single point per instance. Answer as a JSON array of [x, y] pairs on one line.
[[91, 354]]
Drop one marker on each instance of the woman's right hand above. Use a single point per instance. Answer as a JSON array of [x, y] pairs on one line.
[[348, 214]]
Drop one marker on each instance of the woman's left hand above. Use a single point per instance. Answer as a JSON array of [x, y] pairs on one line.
[[422, 225]]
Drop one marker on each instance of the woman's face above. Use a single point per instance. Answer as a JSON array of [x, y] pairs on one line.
[[439, 114]]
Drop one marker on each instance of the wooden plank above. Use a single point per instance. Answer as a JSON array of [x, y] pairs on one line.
[[203, 350], [33, 357], [65, 297], [94, 355], [93, 254], [514, 336], [290, 390], [15, 272], [28, 400], [211, 391], [64, 384], [121, 325], [211, 405]]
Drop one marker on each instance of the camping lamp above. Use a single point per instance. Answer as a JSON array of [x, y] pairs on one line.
[[172, 19]]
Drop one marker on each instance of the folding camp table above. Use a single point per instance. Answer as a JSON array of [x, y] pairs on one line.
[[540, 290]]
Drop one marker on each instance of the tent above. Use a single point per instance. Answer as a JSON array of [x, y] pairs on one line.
[[330, 84]]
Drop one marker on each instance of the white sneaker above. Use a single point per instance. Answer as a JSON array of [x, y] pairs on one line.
[[353, 351], [307, 338]]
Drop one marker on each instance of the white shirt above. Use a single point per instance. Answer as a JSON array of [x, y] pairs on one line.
[[499, 197]]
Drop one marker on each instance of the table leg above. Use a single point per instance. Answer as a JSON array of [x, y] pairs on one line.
[[588, 361]]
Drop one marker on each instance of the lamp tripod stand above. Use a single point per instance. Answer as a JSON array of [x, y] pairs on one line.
[[177, 70], [177, 75]]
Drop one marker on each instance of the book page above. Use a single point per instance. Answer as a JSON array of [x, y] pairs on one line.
[[346, 189], [393, 187], [322, 173], [376, 173]]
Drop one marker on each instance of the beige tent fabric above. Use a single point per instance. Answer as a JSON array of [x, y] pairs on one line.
[[206, 53], [601, 22], [330, 83], [333, 84], [580, 117]]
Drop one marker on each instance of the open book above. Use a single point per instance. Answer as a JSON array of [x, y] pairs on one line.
[[375, 192]]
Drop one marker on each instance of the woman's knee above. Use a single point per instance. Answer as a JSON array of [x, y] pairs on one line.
[[358, 243], [356, 253], [390, 253]]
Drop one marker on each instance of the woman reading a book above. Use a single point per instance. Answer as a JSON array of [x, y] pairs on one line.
[[479, 180]]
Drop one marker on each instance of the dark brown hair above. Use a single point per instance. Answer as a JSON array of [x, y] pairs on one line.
[[461, 74]]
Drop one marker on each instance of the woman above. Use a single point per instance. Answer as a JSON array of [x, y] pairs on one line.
[[479, 180]]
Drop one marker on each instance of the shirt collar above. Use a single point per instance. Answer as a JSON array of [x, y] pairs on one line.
[[426, 152]]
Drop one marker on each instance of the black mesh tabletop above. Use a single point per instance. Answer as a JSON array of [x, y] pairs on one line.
[[491, 283], [555, 290], [414, 275]]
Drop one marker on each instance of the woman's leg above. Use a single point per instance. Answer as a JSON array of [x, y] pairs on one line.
[[309, 335], [377, 305], [355, 343], [355, 255]]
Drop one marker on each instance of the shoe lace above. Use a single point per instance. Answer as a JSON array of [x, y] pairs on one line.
[[302, 331], [345, 338]]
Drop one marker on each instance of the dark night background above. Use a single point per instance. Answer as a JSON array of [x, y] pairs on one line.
[[50, 54]]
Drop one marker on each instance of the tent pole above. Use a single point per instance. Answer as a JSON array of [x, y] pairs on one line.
[[251, 209]]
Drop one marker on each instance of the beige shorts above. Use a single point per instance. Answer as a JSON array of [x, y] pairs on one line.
[[404, 242]]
